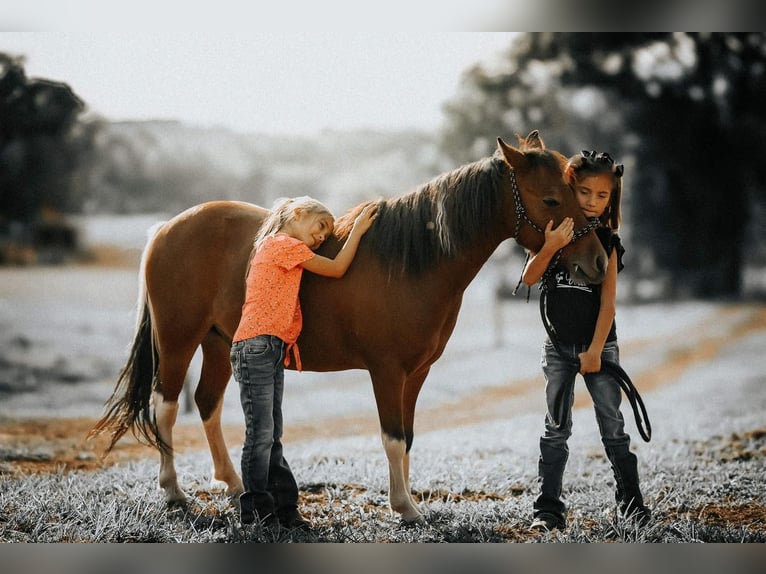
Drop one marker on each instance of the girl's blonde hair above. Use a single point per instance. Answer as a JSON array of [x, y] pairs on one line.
[[283, 212], [588, 163]]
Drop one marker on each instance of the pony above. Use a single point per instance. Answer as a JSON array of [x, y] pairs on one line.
[[391, 314]]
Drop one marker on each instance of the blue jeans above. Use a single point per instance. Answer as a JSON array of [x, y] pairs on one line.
[[258, 368], [560, 375]]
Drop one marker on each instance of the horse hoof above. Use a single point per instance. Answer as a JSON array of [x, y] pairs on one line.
[[414, 519], [175, 497], [177, 503], [415, 522], [235, 491], [231, 489]]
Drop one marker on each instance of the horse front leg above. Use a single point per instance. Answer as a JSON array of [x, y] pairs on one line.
[[399, 494], [166, 413], [389, 398], [412, 388]]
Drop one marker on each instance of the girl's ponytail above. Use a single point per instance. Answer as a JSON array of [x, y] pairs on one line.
[[282, 213], [274, 222]]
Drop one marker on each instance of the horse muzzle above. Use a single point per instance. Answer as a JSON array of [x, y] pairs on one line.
[[592, 274]]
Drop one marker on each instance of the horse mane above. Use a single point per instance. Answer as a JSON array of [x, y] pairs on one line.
[[413, 233]]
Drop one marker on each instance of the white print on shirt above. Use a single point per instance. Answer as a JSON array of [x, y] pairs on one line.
[[564, 281]]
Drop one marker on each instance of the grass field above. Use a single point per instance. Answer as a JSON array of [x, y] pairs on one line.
[[699, 366]]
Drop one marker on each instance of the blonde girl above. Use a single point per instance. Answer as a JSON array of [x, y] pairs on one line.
[[266, 337]]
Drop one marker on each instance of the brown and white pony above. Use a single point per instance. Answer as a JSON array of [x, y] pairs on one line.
[[391, 314]]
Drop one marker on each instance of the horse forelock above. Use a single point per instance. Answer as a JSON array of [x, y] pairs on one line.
[[547, 159], [416, 231]]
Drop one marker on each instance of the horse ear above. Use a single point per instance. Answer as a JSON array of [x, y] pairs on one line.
[[513, 156], [569, 173], [534, 141]]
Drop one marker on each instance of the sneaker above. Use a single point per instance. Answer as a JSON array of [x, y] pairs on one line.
[[291, 518], [545, 522]]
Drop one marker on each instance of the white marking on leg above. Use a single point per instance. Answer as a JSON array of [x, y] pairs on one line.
[[406, 466], [166, 413], [399, 495], [224, 473]]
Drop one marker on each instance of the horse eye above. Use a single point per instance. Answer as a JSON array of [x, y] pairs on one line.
[[551, 202]]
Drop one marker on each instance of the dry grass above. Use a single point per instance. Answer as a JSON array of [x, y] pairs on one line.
[[700, 369], [701, 491]]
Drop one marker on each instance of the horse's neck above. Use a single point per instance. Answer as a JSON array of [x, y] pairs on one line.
[[460, 271]]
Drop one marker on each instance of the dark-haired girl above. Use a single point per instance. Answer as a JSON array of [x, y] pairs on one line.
[[582, 317]]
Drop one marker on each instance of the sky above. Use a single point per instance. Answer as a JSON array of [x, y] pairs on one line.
[[281, 83]]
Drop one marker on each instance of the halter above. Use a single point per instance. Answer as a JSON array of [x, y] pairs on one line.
[[522, 217]]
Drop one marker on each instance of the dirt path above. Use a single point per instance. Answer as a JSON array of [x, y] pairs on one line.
[[50, 444]]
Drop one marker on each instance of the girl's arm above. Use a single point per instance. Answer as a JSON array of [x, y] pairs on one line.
[[555, 239], [337, 267], [590, 360]]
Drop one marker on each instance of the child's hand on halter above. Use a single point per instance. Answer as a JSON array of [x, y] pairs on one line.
[[561, 236]]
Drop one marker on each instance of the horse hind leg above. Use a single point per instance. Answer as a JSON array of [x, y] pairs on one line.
[[172, 372], [216, 371], [166, 413]]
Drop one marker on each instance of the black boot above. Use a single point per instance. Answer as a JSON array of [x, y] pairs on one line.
[[284, 490], [257, 506], [549, 510], [291, 518], [627, 492]]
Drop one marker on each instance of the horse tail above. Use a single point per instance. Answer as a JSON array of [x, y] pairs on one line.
[[129, 406]]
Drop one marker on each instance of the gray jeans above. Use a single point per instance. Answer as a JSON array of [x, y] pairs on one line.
[[560, 376], [560, 373], [258, 368]]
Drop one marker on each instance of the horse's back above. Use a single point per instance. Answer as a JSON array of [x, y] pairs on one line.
[[196, 263], [206, 236], [216, 216]]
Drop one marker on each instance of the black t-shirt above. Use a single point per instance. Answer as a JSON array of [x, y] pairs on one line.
[[573, 307]]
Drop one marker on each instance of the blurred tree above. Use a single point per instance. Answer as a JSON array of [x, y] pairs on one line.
[[687, 107], [41, 143]]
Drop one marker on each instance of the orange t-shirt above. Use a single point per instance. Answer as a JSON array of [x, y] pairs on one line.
[[271, 297]]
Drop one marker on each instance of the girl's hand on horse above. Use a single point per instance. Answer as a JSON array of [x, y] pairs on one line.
[[561, 236], [590, 362], [365, 218]]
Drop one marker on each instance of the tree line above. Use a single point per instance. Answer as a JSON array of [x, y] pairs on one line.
[[683, 111]]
